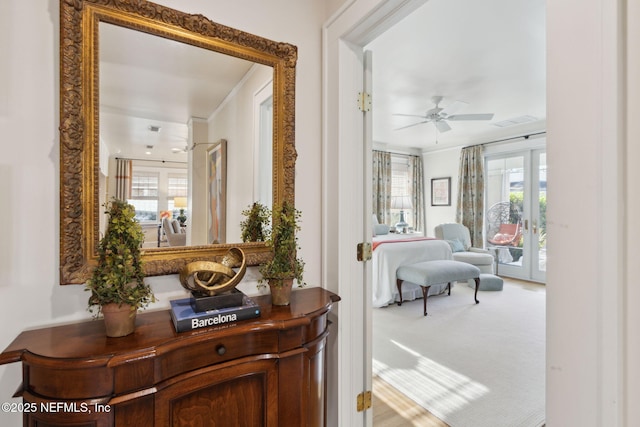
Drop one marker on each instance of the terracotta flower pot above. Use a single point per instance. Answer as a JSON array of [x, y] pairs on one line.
[[280, 291], [119, 321]]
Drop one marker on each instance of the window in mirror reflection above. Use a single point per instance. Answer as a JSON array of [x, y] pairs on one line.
[[144, 194], [177, 193], [156, 192]]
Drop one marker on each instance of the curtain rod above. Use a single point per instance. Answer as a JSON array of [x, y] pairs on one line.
[[511, 138], [483, 143], [152, 160], [397, 153]]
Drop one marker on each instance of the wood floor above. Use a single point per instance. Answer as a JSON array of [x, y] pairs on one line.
[[393, 409]]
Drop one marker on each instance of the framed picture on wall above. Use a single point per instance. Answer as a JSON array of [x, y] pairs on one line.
[[441, 191], [217, 192]]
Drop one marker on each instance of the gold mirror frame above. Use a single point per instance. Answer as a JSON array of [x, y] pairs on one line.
[[79, 206]]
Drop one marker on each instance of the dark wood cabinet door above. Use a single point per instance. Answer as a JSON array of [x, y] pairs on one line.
[[41, 412], [243, 395]]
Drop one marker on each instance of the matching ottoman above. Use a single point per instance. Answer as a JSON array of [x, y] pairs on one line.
[[489, 282], [484, 261]]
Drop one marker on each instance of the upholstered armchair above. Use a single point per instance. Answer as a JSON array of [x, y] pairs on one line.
[[379, 229], [175, 236], [458, 237]]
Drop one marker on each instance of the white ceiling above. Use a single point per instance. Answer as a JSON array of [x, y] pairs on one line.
[[148, 81], [490, 54]]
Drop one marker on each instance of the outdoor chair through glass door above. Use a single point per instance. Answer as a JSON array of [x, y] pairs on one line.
[[515, 217]]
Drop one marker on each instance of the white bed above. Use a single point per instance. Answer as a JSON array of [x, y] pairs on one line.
[[393, 250]]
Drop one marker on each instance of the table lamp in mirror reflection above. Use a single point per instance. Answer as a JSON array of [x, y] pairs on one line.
[[181, 203], [402, 203]]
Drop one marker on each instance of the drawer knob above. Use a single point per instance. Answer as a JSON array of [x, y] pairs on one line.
[[221, 350]]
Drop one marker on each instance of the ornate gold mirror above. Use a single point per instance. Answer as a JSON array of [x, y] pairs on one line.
[[87, 80]]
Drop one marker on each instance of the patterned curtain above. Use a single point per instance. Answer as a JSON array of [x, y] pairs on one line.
[[123, 179], [470, 209], [416, 177], [382, 186]]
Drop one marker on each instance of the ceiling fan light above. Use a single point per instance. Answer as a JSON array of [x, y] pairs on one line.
[[177, 150]]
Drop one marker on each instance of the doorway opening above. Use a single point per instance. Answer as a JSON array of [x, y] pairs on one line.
[[399, 125]]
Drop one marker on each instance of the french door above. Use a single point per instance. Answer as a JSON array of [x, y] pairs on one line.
[[515, 217]]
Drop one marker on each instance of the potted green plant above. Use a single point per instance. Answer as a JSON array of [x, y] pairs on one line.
[[254, 226], [285, 266], [117, 285]]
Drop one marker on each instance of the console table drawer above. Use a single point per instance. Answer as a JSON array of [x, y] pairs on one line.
[[178, 358]]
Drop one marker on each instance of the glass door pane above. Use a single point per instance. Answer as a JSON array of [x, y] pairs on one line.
[[515, 218], [505, 220]]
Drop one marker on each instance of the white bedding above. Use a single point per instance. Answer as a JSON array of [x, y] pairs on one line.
[[387, 257]]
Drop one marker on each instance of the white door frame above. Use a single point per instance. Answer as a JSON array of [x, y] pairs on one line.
[[537, 274], [344, 216]]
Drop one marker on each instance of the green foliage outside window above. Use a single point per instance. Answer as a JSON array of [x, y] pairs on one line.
[[516, 199]]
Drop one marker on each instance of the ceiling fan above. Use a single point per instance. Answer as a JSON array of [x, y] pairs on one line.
[[439, 116]]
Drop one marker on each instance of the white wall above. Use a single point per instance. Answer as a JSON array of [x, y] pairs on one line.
[[198, 233], [586, 336], [30, 294], [440, 164], [632, 228], [235, 122]]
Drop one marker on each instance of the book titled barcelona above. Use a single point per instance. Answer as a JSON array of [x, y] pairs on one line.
[[186, 319]]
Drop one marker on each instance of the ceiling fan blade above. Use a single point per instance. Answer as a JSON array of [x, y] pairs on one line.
[[487, 116], [442, 126], [415, 124], [410, 115], [452, 108]]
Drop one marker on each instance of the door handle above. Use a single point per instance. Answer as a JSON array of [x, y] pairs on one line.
[[535, 226], [526, 225]]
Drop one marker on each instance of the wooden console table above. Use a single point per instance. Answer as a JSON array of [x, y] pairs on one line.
[[269, 371]]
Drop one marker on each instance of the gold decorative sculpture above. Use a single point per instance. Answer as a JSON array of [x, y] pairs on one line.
[[212, 278]]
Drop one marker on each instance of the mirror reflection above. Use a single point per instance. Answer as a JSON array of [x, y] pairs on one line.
[[185, 136], [110, 80]]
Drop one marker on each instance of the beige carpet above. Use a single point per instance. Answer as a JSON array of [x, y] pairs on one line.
[[470, 365]]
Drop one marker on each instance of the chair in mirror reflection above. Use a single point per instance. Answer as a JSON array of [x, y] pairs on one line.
[[174, 234]]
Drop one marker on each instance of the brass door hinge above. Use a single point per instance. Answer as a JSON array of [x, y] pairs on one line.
[[364, 102], [364, 401], [364, 251]]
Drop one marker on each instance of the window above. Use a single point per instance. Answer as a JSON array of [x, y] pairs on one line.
[[177, 186], [156, 189], [400, 188], [144, 195]]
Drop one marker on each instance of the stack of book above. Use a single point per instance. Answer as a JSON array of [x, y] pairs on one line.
[[185, 318]]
